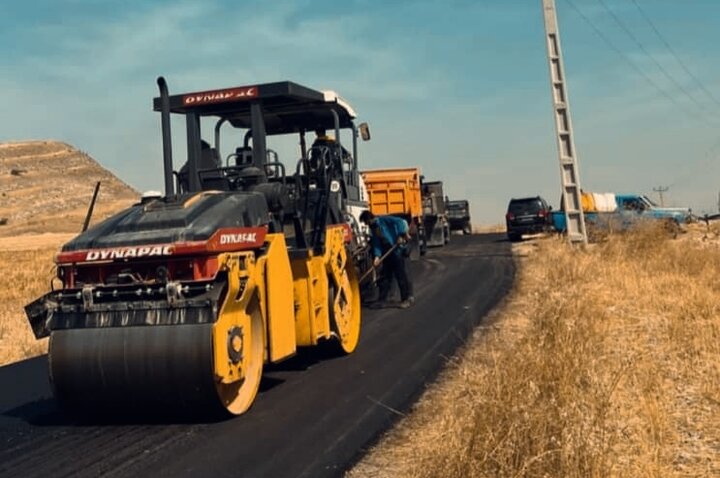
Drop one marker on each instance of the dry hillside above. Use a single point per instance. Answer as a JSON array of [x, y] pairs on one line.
[[45, 188]]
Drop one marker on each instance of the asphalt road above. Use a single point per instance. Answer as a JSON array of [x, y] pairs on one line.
[[314, 416]]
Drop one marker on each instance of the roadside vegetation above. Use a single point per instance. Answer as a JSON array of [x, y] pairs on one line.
[[25, 276], [604, 362]]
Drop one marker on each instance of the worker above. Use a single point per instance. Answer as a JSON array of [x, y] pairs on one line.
[[209, 159], [386, 232], [322, 139]]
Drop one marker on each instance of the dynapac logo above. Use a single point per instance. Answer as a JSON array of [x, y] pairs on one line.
[[227, 239], [127, 252], [219, 96], [241, 238]]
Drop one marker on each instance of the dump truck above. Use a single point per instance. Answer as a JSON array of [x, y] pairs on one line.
[[181, 299], [397, 191], [459, 216], [437, 228]]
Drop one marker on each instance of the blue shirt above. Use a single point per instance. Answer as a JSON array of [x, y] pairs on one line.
[[385, 234]]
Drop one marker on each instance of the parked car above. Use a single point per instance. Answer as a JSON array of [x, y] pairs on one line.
[[527, 216]]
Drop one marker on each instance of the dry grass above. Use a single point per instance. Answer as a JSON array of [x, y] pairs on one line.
[[45, 188], [488, 228], [25, 276], [604, 363]]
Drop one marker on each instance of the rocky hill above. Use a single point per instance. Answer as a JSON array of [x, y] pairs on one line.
[[46, 186]]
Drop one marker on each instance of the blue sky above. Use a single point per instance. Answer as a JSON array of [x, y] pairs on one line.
[[458, 87]]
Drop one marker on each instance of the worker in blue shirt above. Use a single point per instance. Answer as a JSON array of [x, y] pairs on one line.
[[385, 232]]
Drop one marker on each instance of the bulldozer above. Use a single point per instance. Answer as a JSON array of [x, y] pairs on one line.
[[182, 299]]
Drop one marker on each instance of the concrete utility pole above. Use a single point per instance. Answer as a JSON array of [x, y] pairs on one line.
[[569, 173], [660, 190]]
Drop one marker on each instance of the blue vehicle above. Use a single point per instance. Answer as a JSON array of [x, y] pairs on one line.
[[629, 210]]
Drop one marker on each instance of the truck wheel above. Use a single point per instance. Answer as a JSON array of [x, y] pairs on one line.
[[414, 248]]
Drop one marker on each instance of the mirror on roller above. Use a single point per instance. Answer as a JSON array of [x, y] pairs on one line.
[[364, 131]]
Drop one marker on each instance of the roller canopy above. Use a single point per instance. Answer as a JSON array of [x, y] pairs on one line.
[[287, 106]]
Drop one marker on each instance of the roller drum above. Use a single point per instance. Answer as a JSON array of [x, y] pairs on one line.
[[134, 368]]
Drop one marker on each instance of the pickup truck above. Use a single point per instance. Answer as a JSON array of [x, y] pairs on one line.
[[622, 213]]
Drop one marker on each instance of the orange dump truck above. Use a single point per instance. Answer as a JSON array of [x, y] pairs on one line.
[[397, 191]]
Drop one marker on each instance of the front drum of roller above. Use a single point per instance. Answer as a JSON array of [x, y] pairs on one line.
[[138, 368]]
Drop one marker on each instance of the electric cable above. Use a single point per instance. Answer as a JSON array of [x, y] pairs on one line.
[[642, 48], [682, 64], [644, 75]]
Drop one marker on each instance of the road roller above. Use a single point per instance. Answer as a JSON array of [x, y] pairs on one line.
[[180, 300]]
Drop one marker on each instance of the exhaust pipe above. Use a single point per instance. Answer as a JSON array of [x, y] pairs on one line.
[[167, 144]]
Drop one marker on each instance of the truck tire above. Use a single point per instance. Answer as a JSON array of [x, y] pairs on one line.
[[414, 248]]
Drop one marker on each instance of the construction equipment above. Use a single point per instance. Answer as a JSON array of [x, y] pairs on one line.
[[435, 218], [397, 191], [459, 216], [180, 300], [88, 216]]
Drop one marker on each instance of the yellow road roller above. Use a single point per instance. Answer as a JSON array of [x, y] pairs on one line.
[[180, 300]]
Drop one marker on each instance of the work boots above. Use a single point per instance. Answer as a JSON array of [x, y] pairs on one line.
[[407, 302]]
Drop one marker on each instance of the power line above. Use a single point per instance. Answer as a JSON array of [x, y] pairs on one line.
[[672, 52], [709, 157], [662, 69], [660, 190], [709, 153], [617, 50]]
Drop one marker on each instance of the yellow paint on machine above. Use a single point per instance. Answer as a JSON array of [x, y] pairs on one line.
[[261, 321], [280, 314], [311, 299], [244, 279]]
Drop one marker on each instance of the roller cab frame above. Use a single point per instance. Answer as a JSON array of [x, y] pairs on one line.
[[179, 300]]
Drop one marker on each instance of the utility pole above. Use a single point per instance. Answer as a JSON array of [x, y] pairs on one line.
[[569, 173], [660, 190]]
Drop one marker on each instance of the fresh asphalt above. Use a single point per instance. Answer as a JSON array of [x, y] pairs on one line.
[[315, 414]]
